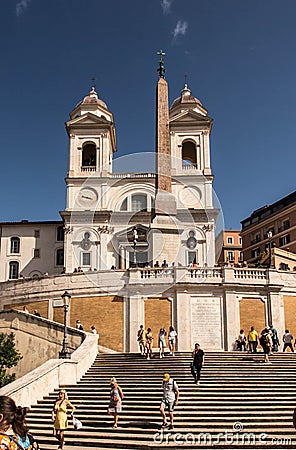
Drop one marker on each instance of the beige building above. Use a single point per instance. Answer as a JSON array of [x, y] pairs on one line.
[[31, 249]]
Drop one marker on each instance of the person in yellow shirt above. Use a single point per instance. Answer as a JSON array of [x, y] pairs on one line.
[[253, 340]]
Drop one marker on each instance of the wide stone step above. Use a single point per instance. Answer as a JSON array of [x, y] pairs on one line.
[[236, 390]]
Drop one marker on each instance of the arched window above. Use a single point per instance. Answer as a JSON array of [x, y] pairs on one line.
[[139, 202], [15, 245], [189, 156], [89, 158], [60, 257], [123, 206], [13, 270], [60, 233]]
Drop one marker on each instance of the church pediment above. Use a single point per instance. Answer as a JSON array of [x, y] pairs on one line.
[[189, 116], [88, 119]]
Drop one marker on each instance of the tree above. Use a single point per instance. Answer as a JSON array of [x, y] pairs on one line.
[[9, 357]]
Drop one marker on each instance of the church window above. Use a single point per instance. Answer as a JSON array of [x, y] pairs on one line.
[[124, 205], [192, 258], [15, 245], [60, 257], [86, 259], [89, 155], [60, 233], [189, 156], [13, 270], [139, 202]]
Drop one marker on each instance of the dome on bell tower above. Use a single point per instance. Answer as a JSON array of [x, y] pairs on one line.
[[93, 104], [186, 102]]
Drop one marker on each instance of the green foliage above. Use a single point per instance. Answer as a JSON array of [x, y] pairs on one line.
[[9, 357]]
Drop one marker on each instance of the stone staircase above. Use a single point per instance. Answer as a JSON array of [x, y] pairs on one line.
[[241, 402]]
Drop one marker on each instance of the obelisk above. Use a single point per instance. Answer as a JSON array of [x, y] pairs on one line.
[[164, 201]]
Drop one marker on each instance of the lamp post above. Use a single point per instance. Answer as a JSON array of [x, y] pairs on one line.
[[269, 235], [64, 353]]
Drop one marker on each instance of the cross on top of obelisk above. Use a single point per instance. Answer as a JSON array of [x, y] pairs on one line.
[[161, 69]]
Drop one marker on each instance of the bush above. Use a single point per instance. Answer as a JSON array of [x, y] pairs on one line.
[[9, 357]]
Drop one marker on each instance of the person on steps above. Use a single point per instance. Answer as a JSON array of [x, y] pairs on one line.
[[169, 400], [59, 416], [115, 404], [197, 363]]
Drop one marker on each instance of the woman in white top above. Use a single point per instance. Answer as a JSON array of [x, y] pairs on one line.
[[172, 340]]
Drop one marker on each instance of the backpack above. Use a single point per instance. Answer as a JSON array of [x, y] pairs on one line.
[[263, 340]]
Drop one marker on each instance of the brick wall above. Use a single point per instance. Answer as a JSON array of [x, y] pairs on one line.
[[252, 313], [157, 315], [290, 316], [42, 307]]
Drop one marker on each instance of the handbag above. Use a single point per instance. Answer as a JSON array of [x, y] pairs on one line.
[[77, 423]]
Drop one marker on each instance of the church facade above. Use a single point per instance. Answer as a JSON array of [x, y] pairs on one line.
[[138, 247]]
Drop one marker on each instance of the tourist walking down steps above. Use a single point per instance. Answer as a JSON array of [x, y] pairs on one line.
[[170, 398], [197, 363], [115, 404], [59, 416]]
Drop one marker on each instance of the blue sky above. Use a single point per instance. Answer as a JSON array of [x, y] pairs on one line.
[[239, 57]]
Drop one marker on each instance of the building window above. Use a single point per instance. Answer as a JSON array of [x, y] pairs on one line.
[[60, 257], [36, 252], [284, 240], [86, 259], [255, 253], [37, 233], [139, 202], [15, 245], [230, 256], [229, 240], [240, 241], [60, 233], [241, 256], [13, 270]]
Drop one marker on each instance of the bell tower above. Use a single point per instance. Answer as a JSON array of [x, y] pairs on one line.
[[92, 143]]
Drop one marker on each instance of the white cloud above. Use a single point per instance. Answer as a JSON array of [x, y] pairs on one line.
[[180, 28], [166, 6], [21, 6]]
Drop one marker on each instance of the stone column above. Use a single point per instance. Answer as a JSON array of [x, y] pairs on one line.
[[231, 319], [134, 317], [183, 321]]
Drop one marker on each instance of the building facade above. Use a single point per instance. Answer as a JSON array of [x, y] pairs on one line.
[[229, 244], [272, 226], [31, 249]]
